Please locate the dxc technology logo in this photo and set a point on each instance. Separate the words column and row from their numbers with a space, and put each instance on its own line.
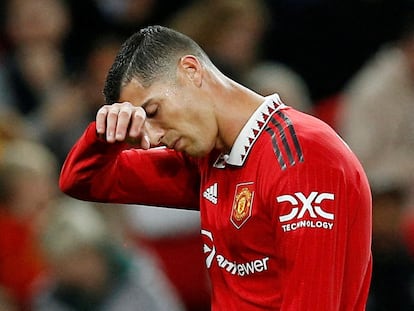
column 301, row 205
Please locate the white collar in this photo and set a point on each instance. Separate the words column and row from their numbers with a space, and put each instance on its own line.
column 251, row 130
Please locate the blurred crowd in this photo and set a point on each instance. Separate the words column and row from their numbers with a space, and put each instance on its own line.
column 351, row 63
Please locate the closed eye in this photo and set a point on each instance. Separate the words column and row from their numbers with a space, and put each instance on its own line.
column 151, row 111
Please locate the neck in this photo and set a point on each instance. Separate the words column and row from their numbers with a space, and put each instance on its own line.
column 234, row 105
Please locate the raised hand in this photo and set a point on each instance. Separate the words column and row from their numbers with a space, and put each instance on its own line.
column 121, row 122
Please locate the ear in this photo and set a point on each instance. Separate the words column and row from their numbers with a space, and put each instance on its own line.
column 191, row 69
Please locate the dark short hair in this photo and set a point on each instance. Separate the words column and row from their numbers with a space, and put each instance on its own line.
column 148, row 54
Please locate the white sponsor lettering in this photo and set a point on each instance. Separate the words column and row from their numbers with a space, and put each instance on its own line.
column 310, row 205
column 232, row 267
column 242, row 269
column 307, row 224
column 210, row 250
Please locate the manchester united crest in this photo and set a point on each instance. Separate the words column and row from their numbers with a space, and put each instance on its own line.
column 242, row 204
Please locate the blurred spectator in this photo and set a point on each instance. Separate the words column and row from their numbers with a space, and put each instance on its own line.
column 269, row 77
column 34, row 63
column 6, row 303
column 11, row 127
column 92, row 271
column 234, row 40
column 126, row 16
column 393, row 269
column 97, row 64
column 329, row 109
column 68, row 108
column 376, row 119
column 378, row 113
column 92, row 18
column 327, row 41
column 28, row 174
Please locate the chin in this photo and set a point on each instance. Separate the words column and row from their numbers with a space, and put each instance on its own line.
column 198, row 153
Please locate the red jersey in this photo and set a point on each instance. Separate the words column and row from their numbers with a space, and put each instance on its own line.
column 286, row 216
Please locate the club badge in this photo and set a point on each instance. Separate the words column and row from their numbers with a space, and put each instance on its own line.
column 242, row 204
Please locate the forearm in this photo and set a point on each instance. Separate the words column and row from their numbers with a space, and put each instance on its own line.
column 98, row 171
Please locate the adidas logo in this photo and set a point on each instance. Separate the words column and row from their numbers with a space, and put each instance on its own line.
column 211, row 193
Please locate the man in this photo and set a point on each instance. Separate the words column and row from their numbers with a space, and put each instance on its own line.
column 285, row 205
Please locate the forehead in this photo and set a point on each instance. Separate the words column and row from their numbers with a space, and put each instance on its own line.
column 134, row 92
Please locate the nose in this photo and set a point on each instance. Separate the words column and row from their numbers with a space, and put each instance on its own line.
column 154, row 132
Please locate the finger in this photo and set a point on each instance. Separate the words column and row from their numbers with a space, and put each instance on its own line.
column 111, row 122
column 101, row 120
column 154, row 136
column 145, row 142
column 124, row 119
column 137, row 122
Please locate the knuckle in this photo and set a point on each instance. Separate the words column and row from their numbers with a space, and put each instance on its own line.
column 139, row 113
column 103, row 110
column 124, row 112
column 113, row 111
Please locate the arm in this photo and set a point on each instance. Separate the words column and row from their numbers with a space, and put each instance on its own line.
column 322, row 215
column 98, row 171
column 107, row 171
column 327, row 255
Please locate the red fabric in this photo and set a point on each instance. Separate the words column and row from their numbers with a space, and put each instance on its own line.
column 407, row 229
column 329, row 109
column 21, row 262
